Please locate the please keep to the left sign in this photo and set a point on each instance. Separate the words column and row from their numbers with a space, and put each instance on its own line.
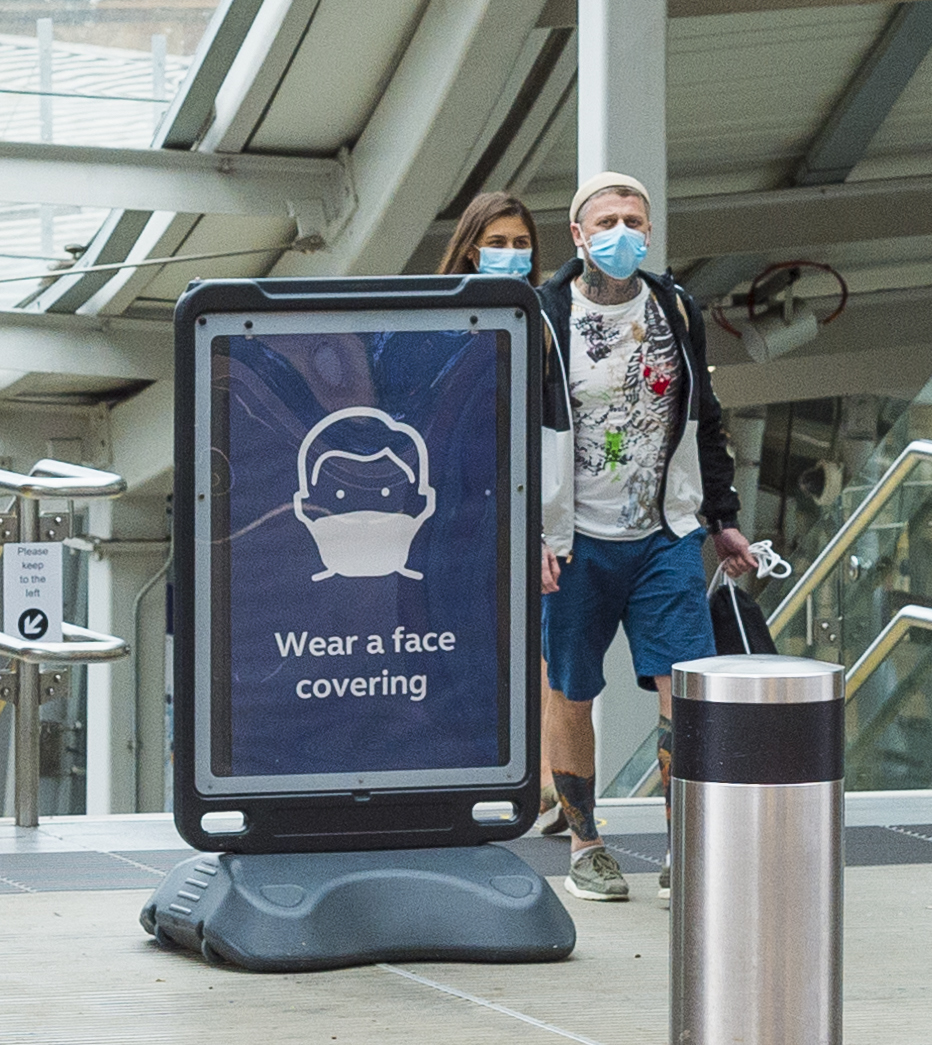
column 32, row 591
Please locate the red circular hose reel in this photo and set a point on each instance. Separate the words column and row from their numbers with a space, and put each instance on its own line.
column 717, row 313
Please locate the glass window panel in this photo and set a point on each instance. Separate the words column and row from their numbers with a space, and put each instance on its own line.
column 83, row 72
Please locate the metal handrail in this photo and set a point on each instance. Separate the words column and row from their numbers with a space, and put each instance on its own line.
column 906, row 618
column 65, row 481
column 60, row 479
column 82, row 647
column 859, row 521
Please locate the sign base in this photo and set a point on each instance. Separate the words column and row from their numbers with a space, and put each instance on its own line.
column 298, row 912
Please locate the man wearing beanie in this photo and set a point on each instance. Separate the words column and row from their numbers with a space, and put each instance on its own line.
column 633, row 453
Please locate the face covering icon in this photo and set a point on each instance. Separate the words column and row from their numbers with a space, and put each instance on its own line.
column 618, row 251
column 363, row 492
column 504, row 261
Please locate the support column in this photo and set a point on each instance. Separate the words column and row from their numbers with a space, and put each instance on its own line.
column 44, row 38
column 99, row 676
column 747, row 436
column 622, row 101
column 622, row 127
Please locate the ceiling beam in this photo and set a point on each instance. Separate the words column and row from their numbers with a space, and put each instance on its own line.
column 191, row 114
column 694, row 8
column 898, row 372
column 712, row 278
column 563, row 12
column 799, row 218
column 246, row 51
column 410, row 158
column 110, row 245
column 172, row 180
column 532, row 103
column 853, row 121
column 256, row 72
column 124, row 349
column 191, row 110
column 164, row 236
column 857, row 116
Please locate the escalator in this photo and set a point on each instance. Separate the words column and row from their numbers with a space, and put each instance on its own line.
column 861, row 595
column 863, row 599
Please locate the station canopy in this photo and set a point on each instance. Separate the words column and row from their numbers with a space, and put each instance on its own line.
column 144, row 143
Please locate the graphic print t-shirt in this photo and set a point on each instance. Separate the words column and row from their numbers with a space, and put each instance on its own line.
column 624, row 383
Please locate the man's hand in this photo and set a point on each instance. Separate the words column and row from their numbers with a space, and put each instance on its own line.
column 549, row 571
column 731, row 547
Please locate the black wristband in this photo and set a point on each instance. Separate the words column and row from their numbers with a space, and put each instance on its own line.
column 715, row 526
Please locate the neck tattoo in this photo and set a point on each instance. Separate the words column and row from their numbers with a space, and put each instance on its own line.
column 603, row 290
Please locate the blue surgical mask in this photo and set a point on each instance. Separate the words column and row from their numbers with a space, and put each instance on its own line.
column 618, row 251
column 504, row 261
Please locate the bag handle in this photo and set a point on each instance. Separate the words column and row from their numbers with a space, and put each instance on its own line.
column 769, row 563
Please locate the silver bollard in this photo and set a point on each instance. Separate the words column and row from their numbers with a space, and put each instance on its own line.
column 757, row 851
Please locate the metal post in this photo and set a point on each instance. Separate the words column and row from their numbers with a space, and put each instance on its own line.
column 58, row 479
column 44, row 42
column 159, row 68
column 757, row 851
column 27, row 703
column 622, row 57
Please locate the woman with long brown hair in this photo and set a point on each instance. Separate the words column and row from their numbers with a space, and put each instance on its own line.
column 496, row 235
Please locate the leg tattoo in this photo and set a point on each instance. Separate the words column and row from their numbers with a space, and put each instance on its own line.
column 664, row 750
column 577, row 794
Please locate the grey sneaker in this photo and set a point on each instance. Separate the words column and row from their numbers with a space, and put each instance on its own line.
column 596, row 876
column 663, row 893
column 552, row 820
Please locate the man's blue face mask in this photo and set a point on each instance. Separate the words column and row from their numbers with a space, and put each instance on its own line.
column 618, row 251
column 504, row 261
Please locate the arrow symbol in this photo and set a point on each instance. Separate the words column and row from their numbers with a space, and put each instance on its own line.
column 33, row 624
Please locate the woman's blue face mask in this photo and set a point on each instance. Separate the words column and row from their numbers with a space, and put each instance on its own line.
column 504, row 261
column 618, row 251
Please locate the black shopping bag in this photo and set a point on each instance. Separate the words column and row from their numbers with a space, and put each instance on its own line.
column 738, row 622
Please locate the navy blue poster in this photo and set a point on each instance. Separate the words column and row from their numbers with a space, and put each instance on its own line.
column 359, row 544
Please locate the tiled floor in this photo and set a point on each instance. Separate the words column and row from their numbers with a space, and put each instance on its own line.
column 78, row 969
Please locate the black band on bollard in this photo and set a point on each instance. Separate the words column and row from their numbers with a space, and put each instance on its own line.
column 758, row 743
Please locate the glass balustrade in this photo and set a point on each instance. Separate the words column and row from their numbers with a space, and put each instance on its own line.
column 888, row 721
column 639, row 777
column 886, row 567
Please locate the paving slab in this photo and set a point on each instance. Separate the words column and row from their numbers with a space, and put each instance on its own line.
column 79, row 969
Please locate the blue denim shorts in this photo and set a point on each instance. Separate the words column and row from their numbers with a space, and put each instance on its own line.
column 654, row 587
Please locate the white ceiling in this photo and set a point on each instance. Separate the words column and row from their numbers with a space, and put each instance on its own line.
column 421, row 101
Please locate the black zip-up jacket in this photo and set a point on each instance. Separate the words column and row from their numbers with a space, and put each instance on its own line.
column 699, row 471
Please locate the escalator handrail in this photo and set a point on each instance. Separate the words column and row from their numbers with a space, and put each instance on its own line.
column 904, row 619
column 859, row 521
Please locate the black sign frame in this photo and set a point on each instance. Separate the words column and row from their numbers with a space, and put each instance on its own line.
column 347, row 818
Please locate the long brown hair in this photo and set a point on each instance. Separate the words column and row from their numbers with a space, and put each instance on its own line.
column 481, row 212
